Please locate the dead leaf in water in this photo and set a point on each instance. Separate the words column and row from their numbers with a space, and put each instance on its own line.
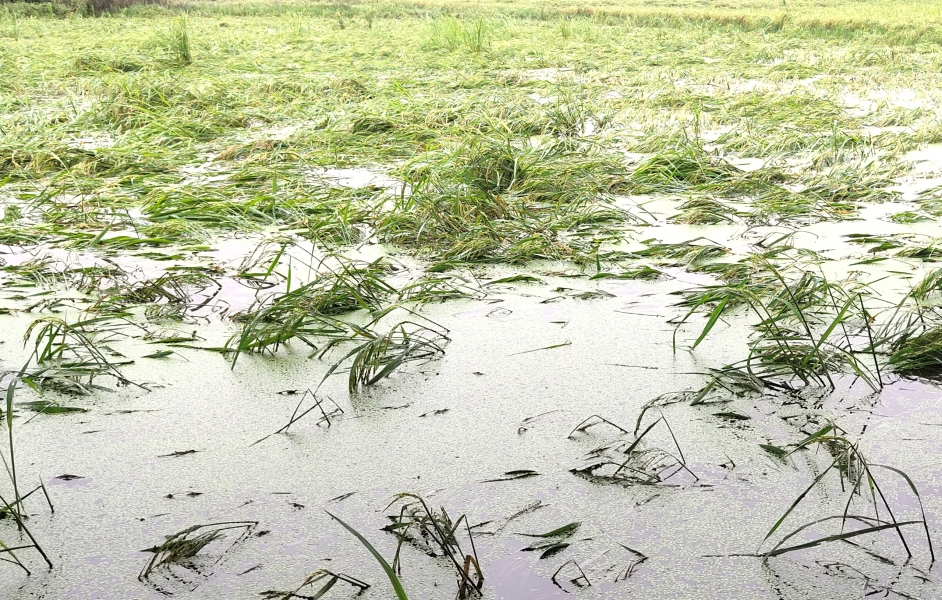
column 513, row 475
column 177, row 453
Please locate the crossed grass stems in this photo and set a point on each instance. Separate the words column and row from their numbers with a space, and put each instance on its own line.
column 434, row 533
column 812, row 333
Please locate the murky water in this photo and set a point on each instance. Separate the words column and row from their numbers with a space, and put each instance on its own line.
column 495, row 403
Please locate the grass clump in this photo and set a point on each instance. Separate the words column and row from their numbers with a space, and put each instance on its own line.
column 377, row 355
column 858, row 480
column 69, row 357
column 704, row 211
column 176, row 559
column 452, row 34
column 170, row 296
column 31, row 160
column 919, row 355
column 502, row 199
column 159, row 107
column 178, row 43
column 679, row 170
column 806, row 329
column 912, row 337
column 691, row 252
column 436, row 534
column 308, row 312
column 633, row 461
column 439, row 287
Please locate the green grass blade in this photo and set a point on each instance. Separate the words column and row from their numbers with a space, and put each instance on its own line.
column 799, row 499
column 714, row 317
column 912, row 486
column 393, row 579
column 838, row 537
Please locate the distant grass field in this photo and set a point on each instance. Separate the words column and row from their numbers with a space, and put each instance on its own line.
column 508, row 122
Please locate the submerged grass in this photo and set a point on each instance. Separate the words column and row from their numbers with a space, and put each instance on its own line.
column 69, row 357
column 806, row 330
column 436, row 534
column 501, row 198
column 857, row 477
column 181, row 548
column 506, row 133
column 309, row 311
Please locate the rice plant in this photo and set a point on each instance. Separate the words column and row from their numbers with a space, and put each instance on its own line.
column 859, row 482
column 679, row 170
column 704, row 211
column 692, row 252
column 919, row 354
column 440, row 287
column 910, row 337
column 310, row 310
column 16, row 508
column 629, row 462
column 69, row 357
column 172, row 295
column 806, row 329
column 502, row 199
column 309, row 581
column 179, row 43
column 176, row 558
column 376, row 355
column 452, row 34
column 435, row 533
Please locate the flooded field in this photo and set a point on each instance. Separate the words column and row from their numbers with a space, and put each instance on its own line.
column 396, row 300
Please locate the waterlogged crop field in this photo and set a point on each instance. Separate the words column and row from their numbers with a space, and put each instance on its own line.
column 497, row 300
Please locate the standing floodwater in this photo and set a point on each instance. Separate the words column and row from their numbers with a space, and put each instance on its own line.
column 508, row 301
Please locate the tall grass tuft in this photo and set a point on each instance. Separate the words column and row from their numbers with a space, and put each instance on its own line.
column 178, row 42
column 451, row 34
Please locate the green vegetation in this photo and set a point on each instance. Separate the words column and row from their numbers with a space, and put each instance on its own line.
column 140, row 142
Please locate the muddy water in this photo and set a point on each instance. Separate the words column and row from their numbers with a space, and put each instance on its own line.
column 525, row 365
column 441, row 430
